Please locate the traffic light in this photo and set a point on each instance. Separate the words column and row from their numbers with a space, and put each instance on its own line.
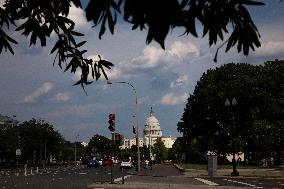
column 134, row 129
column 117, row 139
column 111, row 122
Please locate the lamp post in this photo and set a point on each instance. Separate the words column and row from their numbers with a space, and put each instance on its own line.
column 75, row 150
column 135, row 115
column 229, row 104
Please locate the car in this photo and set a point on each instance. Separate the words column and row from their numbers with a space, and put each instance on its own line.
column 107, row 162
column 93, row 163
column 126, row 163
column 100, row 162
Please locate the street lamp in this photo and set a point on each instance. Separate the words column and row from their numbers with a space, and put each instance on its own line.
column 228, row 104
column 135, row 115
column 75, row 150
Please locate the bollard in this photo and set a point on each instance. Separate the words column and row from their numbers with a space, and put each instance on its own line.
column 31, row 170
column 25, row 167
column 36, row 170
column 212, row 165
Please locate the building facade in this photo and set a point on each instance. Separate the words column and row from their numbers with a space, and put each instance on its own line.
column 5, row 120
column 152, row 130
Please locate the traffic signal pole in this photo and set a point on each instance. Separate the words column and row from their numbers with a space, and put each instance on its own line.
column 136, row 117
column 111, row 168
column 111, row 127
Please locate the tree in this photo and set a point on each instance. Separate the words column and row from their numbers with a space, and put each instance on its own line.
column 38, row 140
column 160, row 150
column 208, row 125
column 100, row 146
column 8, row 143
column 176, row 151
column 38, row 19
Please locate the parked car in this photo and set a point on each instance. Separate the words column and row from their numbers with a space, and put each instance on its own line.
column 86, row 159
column 93, row 163
column 126, row 163
column 100, row 162
column 107, row 162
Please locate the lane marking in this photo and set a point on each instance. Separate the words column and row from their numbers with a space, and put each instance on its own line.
column 243, row 183
column 120, row 178
column 208, row 182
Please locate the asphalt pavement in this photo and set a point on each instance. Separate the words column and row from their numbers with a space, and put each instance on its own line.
column 161, row 176
column 169, row 176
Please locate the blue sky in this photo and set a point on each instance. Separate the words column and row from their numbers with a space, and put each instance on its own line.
column 31, row 87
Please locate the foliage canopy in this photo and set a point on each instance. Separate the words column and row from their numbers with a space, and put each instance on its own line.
column 256, row 122
column 37, row 20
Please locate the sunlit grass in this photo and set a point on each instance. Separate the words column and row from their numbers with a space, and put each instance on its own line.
column 227, row 166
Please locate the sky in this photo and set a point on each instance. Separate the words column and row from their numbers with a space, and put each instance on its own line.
column 31, row 87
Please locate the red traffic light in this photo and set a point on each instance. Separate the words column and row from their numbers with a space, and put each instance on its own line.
column 118, row 139
column 111, row 116
column 111, row 122
column 134, row 129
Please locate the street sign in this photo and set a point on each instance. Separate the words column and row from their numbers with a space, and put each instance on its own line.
column 18, row 152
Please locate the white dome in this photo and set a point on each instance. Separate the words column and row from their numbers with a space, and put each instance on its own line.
column 152, row 122
column 152, row 130
column 152, row 125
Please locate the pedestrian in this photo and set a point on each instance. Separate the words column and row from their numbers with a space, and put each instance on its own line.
column 146, row 163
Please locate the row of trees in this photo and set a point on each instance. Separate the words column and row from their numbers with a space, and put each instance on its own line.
column 255, row 124
column 38, row 143
column 101, row 146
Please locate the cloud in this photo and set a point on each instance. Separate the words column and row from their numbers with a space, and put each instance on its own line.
column 181, row 50
column 62, row 97
column 70, row 110
column 154, row 56
column 271, row 48
column 171, row 99
column 114, row 73
column 181, row 80
column 150, row 57
column 45, row 88
column 78, row 15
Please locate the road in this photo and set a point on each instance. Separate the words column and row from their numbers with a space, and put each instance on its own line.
column 161, row 176
column 57, row 178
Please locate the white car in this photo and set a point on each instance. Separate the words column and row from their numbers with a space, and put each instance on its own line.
column 127, row 163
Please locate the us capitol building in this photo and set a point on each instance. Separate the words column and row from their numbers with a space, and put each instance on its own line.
column 152, row 130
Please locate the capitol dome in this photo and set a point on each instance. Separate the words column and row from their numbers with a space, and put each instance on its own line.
column 152, row 122
column 152, row 126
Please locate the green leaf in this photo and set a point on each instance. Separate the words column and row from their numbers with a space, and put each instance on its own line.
column 33, row 38
column 249, row 2
column 110, row 23
column 56, row 46
column 77, row 83
column 80, row 44
column 76, row 33
column 106, row 63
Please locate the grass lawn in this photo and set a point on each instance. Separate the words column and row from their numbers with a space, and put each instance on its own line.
column 204, row 166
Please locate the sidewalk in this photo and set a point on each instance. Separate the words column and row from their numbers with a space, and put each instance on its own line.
column 265, row 172
column 172, row 178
